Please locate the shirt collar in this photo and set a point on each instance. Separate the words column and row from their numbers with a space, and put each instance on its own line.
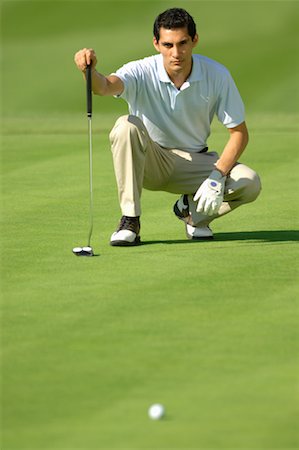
column 196, row 73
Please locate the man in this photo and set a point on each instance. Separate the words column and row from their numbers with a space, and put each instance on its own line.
column 162, row 144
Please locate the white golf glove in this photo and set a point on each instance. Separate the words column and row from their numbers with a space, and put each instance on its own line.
column 210, row 194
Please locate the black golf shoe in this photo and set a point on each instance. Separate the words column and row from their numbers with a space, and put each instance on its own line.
column 127, row 233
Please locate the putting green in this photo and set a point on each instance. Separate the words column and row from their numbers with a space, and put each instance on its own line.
column 207, row 329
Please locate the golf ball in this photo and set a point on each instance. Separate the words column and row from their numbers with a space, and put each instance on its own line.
column 156, row 411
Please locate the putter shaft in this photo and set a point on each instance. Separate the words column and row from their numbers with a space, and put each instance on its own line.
column 90, row 183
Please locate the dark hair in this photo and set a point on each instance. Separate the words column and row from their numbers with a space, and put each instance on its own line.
column 174, row 18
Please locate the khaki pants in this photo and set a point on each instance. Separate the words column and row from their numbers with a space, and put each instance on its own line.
column 141, row 163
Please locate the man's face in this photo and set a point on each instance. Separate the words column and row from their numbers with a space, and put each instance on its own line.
column 176, row 47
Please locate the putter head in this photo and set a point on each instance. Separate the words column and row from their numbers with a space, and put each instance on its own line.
column 83, row 251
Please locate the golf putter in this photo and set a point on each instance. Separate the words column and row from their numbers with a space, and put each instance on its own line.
column 87, row 250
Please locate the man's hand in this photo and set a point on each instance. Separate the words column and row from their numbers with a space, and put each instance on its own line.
column 101, row 85
column 210, row 194
column 85, row 57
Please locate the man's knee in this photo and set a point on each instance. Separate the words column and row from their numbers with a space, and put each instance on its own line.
column 125, row 126
column 254, row 188
column 119, row 127
column 247, row 182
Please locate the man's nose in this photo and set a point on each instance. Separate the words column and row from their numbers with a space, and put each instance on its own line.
column 175, row 51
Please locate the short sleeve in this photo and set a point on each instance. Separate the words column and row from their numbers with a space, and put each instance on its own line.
column 230, row 108
column 129, row 76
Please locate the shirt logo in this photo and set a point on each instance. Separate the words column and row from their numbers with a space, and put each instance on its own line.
column 206, row 99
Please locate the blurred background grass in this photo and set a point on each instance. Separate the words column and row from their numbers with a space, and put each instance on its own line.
column 256, row 40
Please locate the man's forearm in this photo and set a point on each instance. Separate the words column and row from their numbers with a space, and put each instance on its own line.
column 102, row 85
column 233, row 149
column 99, row 83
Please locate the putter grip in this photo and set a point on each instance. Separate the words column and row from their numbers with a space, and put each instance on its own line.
column 88, row 90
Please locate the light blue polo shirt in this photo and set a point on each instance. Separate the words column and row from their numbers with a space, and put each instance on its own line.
column 181, row 118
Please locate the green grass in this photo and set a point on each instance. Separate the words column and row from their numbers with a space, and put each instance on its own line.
column 207, row 329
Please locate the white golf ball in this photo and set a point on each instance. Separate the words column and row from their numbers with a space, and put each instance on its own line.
column 156, row 411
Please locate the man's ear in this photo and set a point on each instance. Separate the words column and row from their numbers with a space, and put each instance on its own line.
column 195, row 40
column 156, row 44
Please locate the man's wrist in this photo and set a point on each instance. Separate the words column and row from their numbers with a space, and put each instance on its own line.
column 222, row 174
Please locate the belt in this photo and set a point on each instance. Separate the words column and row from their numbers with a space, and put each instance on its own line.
column 204, row 150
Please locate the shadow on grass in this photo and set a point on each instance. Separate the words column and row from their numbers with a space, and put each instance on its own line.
column 263, row 236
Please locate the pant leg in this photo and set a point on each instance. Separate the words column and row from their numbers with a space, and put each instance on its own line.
column 242, row 186
column 191, row 169
column 138, row 162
